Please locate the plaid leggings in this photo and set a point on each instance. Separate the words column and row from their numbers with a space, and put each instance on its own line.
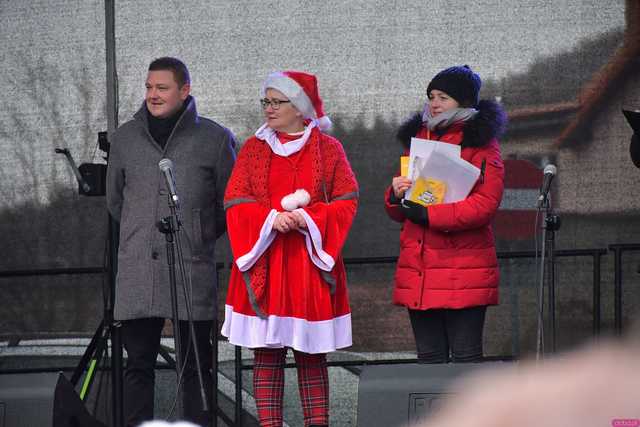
column 268, row 386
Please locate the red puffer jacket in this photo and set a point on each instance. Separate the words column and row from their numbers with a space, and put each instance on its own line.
column 452, row 262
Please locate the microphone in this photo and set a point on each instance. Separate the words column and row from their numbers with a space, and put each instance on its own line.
column 549, row 173
column 166, row 167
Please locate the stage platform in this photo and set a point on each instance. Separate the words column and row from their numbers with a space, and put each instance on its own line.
column 52, row 355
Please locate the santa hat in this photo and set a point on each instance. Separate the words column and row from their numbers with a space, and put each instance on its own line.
column 302, row 90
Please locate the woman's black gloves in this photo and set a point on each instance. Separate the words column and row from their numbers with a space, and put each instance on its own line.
column 393, row 200
column 415, row 212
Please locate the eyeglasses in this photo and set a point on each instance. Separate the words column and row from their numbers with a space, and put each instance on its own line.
column 274, row 103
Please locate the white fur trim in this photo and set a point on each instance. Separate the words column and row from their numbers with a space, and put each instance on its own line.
column 292, row 90
column 313, row 241
column 276, row 332
column 267, row 234
column 312, row 238
column 324, row 123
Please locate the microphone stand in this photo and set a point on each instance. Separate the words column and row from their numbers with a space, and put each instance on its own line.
column 550, row 224
column 170, row 227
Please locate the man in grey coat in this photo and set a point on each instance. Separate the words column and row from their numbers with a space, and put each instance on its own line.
column 166, row 126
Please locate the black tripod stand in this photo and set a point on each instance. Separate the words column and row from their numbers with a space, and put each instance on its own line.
column 108, row 330
column 166, row 226
column 91, row 178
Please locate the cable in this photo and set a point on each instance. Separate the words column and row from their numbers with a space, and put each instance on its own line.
column 187, row 289
column 536, row 250
column 540, row 281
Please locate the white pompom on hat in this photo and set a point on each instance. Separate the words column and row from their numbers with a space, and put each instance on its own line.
column 302, row 90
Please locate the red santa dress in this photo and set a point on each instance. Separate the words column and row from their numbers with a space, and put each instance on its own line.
column 289, row 289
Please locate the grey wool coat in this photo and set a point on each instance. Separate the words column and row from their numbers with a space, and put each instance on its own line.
column 203, row 154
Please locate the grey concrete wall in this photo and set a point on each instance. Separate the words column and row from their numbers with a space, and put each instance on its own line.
column 372, row 57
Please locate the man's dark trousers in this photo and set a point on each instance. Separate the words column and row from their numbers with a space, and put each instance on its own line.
column 141, row 338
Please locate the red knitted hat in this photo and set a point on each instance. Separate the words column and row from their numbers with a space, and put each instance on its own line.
column 302, row 90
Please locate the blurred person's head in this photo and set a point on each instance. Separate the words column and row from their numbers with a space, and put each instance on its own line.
column 158, row 423
column 593, row 387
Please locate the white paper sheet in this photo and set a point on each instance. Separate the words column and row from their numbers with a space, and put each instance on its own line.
column 441, row 162
column 424, row 147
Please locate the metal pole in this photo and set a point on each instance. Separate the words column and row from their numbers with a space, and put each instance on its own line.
column 116, row 374
column 552, row 286
column 115, row 330
column 213, row 403
column 617, row 293
column 112, row 124
column 177, row 339
column 596, row 294
column 541, row 277
column 112, row 83
column 238, row 405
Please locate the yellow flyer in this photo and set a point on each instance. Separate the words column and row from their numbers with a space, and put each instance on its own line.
column 428, row 191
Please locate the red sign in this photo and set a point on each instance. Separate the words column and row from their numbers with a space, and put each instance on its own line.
column 515, row 219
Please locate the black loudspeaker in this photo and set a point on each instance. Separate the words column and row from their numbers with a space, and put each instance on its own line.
column 398, row 395
column 41, row 400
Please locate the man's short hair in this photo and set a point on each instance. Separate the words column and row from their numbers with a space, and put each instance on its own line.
column 180, row 72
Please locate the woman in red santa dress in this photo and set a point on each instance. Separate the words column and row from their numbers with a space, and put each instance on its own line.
column 290, row 203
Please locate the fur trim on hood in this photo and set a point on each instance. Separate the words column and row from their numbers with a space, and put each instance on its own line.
column 489, row 123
